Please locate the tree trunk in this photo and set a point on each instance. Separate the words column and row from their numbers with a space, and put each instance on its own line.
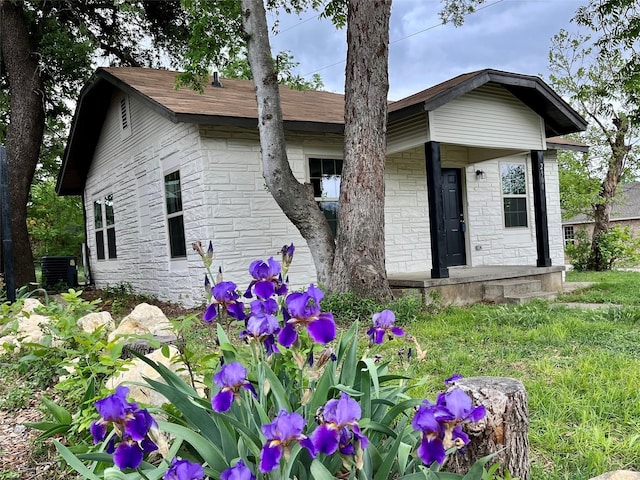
column 359, row 264
column 505, row 427
column 25, row 130
column 295, row 199
column 598, row 261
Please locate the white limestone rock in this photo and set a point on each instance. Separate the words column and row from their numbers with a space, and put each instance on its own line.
column 619, row 475
column 137, row 370
column 91, row 322
column 143, row 319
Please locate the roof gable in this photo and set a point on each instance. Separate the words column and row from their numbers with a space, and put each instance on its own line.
column 559, row 117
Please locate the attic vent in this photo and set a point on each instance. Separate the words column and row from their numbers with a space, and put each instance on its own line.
column 125, row 118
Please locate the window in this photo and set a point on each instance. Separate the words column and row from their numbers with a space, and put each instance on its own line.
column 104, row 222
column 514, row 194
column 175, row 221
column 568, row 235
column 324, row 174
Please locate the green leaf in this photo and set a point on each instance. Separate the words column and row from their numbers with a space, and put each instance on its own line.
column 166, row 353
column 373, row 373
column 74, row 462
column 278, row 391
column 59, row 413
column 477, row 469
column 320, row 472
column 209, row 452
column 385, row 470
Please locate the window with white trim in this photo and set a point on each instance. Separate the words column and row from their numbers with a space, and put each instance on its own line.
column 175, row 218
column 569, row 235
column 324, row 175
column 105, row 226
column 514, row 194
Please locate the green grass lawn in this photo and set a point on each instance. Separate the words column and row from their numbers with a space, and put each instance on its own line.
column 617, row 287
column 581, row 370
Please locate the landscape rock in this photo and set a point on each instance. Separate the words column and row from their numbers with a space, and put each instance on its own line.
column 91, row 322
column 138, row 369
column 30, row 327
column 143, row 319
column 619, row 475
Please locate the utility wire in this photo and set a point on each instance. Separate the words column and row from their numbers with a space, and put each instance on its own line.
column 402, row 38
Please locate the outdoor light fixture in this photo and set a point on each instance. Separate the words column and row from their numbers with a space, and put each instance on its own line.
column 480, row 175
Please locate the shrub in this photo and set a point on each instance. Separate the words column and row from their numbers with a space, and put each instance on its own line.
column 618, row 247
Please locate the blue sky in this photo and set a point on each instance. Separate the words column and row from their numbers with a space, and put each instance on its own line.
column 511, row 35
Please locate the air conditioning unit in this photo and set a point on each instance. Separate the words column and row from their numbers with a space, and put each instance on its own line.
column 59, row 270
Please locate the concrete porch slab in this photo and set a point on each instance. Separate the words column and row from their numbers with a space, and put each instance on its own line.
column 465, row 284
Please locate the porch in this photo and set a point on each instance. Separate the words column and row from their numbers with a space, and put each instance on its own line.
column 492, row 283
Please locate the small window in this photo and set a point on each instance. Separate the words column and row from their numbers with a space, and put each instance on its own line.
column 325, row 174
column 125, row 118
column 569, row 235
column 175, row 218
column 104, row 222
column 514, row 194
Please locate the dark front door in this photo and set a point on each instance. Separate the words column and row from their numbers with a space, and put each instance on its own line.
column 453, row 217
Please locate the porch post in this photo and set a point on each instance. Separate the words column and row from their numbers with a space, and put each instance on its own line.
column 540, row 207
column 436, row 211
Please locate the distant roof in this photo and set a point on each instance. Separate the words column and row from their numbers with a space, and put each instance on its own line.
column 310, row 110
column 626, row 205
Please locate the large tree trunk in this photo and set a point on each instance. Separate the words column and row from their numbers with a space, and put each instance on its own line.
column 602, row 211
column 295, row 199
column 25, row 131
column 359, row 264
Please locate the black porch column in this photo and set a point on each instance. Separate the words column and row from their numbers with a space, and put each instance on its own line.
column 540, row 207
column 436, row 211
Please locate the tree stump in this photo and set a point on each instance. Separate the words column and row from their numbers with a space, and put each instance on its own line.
column 504, row 428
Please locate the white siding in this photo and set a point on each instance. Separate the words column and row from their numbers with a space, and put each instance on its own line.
column 132, row 169
column 488, row 117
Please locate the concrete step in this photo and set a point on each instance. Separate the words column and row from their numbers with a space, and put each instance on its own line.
column 496, row 291
column 525, row 297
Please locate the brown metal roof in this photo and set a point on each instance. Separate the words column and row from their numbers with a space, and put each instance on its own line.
column 235, row 99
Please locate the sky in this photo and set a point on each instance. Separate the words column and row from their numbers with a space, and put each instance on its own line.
column 511, row 35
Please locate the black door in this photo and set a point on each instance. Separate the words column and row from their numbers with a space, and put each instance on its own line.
column 453, row 217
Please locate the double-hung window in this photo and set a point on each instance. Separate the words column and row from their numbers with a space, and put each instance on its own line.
column 175, row 218
column 514, row 194
column 324, row 174
column 105, row 225
column 569, row 235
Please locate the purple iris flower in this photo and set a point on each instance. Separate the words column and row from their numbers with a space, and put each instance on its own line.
column 238, row 472
column 264, row 273
column 287, row 255
column 231, row 378
column 285, row 429
column 431, row 447
column 225, row 296
column 339, row 428
column 132, row 424
column 441, row 423
column 383, row 324
column 304, row 309
column 452, row 378
column 455, row 407
column 184, row 470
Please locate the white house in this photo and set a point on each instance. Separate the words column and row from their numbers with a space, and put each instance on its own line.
column 471, row 178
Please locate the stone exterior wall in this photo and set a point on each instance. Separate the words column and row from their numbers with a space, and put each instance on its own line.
column 225, row 200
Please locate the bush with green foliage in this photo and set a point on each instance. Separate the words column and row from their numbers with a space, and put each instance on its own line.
column 618, row 247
